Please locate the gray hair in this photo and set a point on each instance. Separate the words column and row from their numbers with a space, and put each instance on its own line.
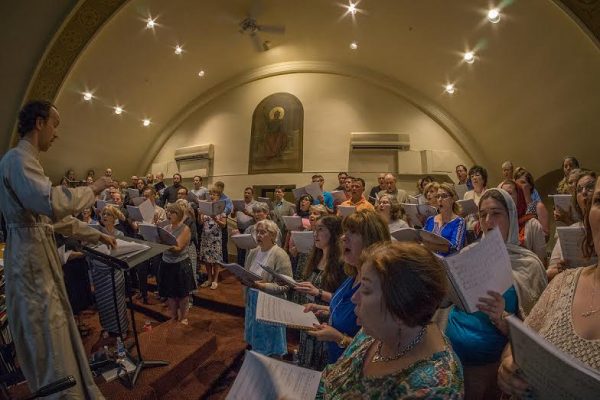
column 507, row 164
column 264, row 207
column 270, row 226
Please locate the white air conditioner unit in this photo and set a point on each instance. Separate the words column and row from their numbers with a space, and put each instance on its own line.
column 379, row 141
column 198, row 152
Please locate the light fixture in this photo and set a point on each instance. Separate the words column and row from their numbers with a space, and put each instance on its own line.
column 118, row 110
column 146, row 122
column 469, row 57
column 178, row 49
column 353, row 46
column 88, row 96
column 352, row 9
column 493, row 15
column 150, row 23
column 201, row 74
column 449, row 88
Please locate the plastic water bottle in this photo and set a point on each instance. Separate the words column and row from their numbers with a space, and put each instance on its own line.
column 120, row 348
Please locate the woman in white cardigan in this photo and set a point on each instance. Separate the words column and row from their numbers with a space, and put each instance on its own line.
column 266, row 339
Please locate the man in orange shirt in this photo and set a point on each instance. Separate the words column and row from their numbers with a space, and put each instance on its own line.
column 357, row 199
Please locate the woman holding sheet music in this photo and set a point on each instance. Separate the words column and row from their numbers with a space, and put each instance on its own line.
column 176, row 275
column 480, row 337
column 211, row 246
column 361, row 229
column 322, row 275
column 264, row 338
column 447, row 223
column 584, row 187
column 568, row 312
column 391, row 211
column 398, row 353
column 102, row 280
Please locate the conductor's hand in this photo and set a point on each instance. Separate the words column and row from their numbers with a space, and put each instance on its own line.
column 109, row 241
column 101, row 184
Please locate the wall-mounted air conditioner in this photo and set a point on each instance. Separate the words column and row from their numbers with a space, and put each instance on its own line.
column 379, row 141
column 198, row 152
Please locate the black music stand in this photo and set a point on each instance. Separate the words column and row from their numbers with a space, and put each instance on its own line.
column 126, row 264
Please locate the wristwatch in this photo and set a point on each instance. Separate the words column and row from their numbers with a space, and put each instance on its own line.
column 320, row 295
column 344, row 341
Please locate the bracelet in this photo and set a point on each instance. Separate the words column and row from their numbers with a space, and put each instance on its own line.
column 320, row 295
column 344, row 341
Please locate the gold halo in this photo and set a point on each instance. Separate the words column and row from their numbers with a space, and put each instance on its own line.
column 273, row 110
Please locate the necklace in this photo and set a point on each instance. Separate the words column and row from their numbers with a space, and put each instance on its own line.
column 401, row 351
column 591, row 311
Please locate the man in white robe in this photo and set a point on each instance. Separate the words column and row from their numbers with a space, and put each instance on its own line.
column 46, row 338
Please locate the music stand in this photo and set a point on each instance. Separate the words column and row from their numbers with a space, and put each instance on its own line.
column 126, row 264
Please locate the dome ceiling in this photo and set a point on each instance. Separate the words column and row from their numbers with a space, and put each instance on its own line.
column 534, row 80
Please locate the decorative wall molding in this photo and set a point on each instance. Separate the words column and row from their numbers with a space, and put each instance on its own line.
column 414, row 97
column 586, row 13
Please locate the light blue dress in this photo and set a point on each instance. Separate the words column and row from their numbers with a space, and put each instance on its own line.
column 264, row 338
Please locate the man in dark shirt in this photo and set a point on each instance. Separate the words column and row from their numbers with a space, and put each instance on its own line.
column 341, row 180
column 170, row 193
column 376, row 189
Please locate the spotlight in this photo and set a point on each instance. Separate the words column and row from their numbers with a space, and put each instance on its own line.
column 178, row 49
column 146, row 122
column 493, row 15
column 201, row 74
column 150, row 24
column 353, row 46
column 449, row 88
column 118, row 110
column 87, row 96
column 469, row 57
column 352, row 9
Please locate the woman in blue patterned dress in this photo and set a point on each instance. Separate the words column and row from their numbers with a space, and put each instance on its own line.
column 211, row 247
column 447, row 223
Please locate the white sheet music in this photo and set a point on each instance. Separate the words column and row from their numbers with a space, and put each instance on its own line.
column 124, row 249
column 244, row 241
column 346, row 210
column 481, row 267
column 149, row 232
column 461, row 189
column 241, row 273
column 144, row 212
column 412, row 214
column 133, row 193
column 339, row 196
column 136, row 201
column 264, row 378
column 239, row 205
column 64, row 254
column 314, row 190
column 287, row 279
column 211, row 208
column 571, row 238
column 303, row 240
column 468, row 207
column 299, row 192
column 406, row 235
column 292, row 223
column 551, row 373
column 274, row 310
column 562, row 201
column 100, row 204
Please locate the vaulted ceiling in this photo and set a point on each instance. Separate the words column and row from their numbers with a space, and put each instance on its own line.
column 531, row 95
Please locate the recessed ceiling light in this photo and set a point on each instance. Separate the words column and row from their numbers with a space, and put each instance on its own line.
column 449, row 88
column 146, row 122
column 201, row 74
column 118, row 110
column 150, row 23
column 178, row 49
column 493, row 15
column 469, row 57
column 353, row 45
column 87, row 96
column 352, row 9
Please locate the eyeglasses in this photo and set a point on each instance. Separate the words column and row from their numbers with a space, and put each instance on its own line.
column 442, row 196
column 589, row 188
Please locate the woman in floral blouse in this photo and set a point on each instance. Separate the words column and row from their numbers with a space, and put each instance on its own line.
column 398, row 353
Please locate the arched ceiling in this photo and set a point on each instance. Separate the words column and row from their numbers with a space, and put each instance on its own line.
column 531, row 94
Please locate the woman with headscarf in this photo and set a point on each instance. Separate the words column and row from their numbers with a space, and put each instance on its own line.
column 479, row 338
column 531, row 232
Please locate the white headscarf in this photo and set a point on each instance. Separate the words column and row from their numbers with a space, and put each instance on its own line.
column 529, row 273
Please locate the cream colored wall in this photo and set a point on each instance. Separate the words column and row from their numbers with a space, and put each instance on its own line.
column 334, row 106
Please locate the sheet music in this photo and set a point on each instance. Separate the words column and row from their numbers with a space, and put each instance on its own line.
column 211, row 208
column 64, row 254
column 100, row 204
column 239, row 205
column 244, row 241
column 550, row 373
column 242, row 273
column 275, row 310
column 339, row 196
column 314, row 189
column 136, row 201
column 287, row 279
column 412, row 213
column 133, row 193
column 123, row 250
column 468, row 206
column 166, row 237
column 427, row 210
column 406, row 235
column 144, row 212
column 149, row 232
column 562, row 201
column 413, row 200
column 461, row 189
column 264, row 378
column 571, row 238
column 303, row 240
column 292, row 223
column 299, row 192
column 481, row 267
column 346, row 210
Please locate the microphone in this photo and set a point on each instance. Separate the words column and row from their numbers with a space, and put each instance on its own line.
column 54, row 387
